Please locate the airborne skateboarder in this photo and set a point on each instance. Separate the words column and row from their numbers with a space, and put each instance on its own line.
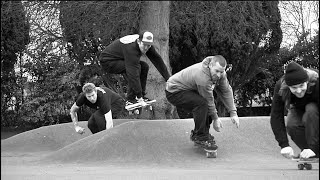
column 123, row 57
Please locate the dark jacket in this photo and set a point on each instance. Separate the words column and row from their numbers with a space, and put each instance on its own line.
column 283, row 98
column 126, row 49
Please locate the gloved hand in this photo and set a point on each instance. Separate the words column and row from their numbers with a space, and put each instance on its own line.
column 140, row 100
column 217, row 125
column 235, row 120
column 79, row 129
column 287, row 152
column 306, row 153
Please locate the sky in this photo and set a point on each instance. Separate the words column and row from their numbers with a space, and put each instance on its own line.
column 295, row 15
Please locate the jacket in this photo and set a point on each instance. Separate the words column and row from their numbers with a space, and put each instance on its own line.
column 280, row 103
column 197, row 77
column 126, row 49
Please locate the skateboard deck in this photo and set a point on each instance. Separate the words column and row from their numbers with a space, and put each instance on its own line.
column 210, row 153
column 134, row 108
column 305, row 163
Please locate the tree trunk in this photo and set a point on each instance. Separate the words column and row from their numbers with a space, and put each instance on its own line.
column 155, row 18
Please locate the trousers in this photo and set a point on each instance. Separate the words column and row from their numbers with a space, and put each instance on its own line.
column 118, row 67
column 303, row 127
column 97, row 121
column 192, row 101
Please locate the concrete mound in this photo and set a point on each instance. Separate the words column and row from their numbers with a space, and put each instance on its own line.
column 47, row 138
column 166, row 142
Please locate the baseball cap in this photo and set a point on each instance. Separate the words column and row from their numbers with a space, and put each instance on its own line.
column 147, row 38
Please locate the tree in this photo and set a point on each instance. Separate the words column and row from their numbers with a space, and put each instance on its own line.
column 155, row 18
column 14, row 38
column 247, row 34
column 299, row 19
column 89, row 33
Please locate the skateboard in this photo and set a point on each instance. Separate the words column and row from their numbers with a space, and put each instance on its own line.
column 210, row 153
column 305, row 163
column 134, row 108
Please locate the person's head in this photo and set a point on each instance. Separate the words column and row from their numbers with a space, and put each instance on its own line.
column 217, row 66
column 89, row 89
column 145, row 41
column 296, row 78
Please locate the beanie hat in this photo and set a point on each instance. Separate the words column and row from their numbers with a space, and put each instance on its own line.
column 295, row 74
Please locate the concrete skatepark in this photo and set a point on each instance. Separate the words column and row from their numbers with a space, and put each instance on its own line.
column 148, row 149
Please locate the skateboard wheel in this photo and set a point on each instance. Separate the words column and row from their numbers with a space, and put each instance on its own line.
column 300, row 166
column 211, row 154
column 308, row 166
column 130, row 112
column 150, row 108
column 136, row 111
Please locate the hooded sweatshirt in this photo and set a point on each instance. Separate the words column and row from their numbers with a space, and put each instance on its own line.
column 127, row 49
column 198, row 77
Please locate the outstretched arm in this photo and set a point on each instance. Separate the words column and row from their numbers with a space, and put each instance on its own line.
column 109, row 121
column 157, row 61
column 74, row 117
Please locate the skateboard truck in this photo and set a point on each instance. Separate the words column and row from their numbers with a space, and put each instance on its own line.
column 305, row 163
column 210, row 153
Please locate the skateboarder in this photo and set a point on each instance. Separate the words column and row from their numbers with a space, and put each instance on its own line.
column 123, row 57
column 107, row 103
column 192, row 89
column 297, row 91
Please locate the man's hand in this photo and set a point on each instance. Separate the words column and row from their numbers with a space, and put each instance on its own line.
column 79, row 129
column 306, row 153
column 235, row 120
column 217, row 125
column 287, row 152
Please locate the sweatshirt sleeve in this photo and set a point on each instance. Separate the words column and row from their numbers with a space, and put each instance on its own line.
column 225, row 92
column 132, row 65
column 277, row 118
column 157, row 61
column 207, row 93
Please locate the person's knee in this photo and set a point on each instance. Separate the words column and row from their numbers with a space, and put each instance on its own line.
column 91, row 126
column 201, row 103
column 311, row 114
column 312, row 108
column 292, row 127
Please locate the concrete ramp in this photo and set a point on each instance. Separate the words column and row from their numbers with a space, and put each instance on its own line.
column 149, row 149
column 47, row 138
column 166, row 142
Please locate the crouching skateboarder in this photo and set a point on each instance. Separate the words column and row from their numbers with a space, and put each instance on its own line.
column 107, row 103
column 192, row 89
column 298, row 91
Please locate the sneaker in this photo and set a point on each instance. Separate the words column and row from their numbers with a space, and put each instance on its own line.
column 146, row 99
column 193, row 138
column 206, row 144
column 191, row 135
column 211, row 138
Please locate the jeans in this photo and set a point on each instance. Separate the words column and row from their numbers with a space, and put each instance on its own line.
column 97, row 121
column 192, row 101
column 118, row 67
column 303, row 127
